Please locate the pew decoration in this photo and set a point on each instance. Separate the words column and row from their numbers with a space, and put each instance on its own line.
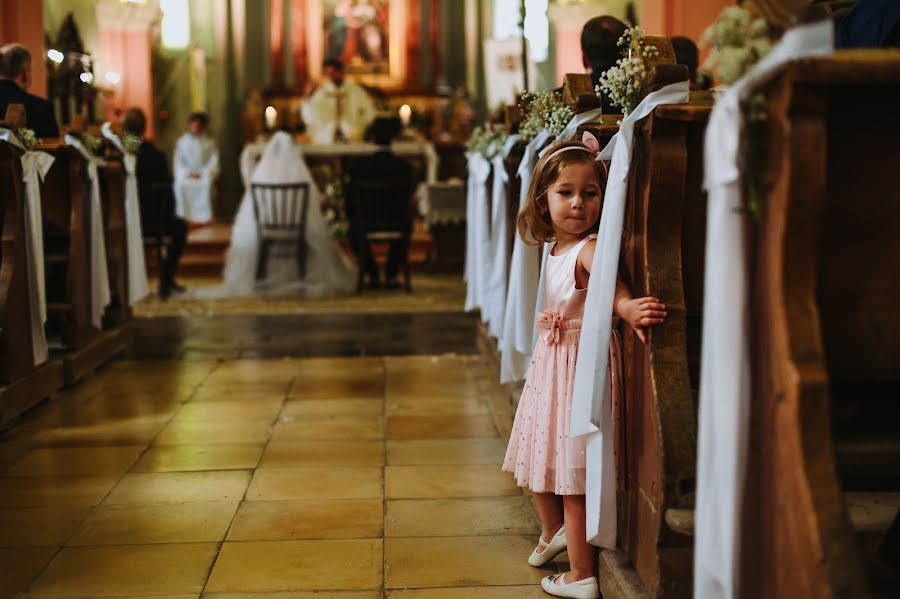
column 543, row 111
column 94, row 144
column 624, row 83
column 100, row 295
column 725, row 393
column 129, row 144
column 27, row 138
column 487, row 140
column 34, row 167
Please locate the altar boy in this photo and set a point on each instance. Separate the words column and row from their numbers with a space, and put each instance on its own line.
column 196, row 167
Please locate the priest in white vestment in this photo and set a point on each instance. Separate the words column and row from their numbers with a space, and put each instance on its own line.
column 196, row 167
column 339, row 110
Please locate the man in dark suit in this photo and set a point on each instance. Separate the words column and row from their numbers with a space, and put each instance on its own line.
column 153, row 167
column 383, row 165
column 15, row 79
column 600, row 51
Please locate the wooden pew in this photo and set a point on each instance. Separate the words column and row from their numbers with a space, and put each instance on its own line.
column 22, row 383
column 65, row 199
column 824, row 455
column 112, row 194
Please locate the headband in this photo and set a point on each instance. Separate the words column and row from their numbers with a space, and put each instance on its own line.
column 591, row 146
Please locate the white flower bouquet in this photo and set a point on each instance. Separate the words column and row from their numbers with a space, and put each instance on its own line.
column 27, row 138
column 543, row 111
column 487, row 140
column 93, row 143
column 624, row 83
column 131, row 143
column 738, row 40
column 333, row 205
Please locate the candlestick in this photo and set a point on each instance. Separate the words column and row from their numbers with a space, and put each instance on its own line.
column 405, row 114
column 271, row 117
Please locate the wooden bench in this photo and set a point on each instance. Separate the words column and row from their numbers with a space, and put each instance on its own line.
column 821, row 503
column 112, row 195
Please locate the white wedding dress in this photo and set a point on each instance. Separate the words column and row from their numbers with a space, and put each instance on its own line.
column 328, row 270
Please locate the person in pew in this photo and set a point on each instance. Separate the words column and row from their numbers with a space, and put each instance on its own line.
column 563, row 206
column 153, row 167
column 380, row 166
column 600, row 50
column 687, row 53
column 196, row 166
column 15, row 79
column 869, row 24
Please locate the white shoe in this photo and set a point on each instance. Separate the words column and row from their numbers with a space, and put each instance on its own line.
column 586, row 588
column 556, row 546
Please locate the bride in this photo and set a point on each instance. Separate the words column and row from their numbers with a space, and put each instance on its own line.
column 328, row 269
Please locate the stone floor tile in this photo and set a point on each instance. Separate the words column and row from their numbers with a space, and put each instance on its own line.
column 55, row 492
column 314, row 519
column 446, row 451
column 423, row 482
column 460, row 517
column 22, row 527
column 211, row 432
column 293, row 454
column 440, row 427
column 316, row 483
column 186, row 458
column 179, row 487
column 77, row 461
column 21, row 565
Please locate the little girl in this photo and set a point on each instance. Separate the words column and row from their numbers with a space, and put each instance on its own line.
column 563, row 206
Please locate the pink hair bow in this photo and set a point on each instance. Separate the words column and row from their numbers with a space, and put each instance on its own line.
column 590, row 142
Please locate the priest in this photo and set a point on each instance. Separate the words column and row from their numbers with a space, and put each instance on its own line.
column 196, row 167
column 339, row 110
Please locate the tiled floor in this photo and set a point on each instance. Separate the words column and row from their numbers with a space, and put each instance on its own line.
column 353, row 478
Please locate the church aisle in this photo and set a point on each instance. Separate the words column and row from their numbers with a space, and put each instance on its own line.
column 354, row 478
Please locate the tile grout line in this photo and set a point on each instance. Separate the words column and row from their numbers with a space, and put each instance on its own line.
column 384, row 448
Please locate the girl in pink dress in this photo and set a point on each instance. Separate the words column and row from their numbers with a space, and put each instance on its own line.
column 563, row 206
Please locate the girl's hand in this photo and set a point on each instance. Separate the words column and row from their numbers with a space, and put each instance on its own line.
column 641, row 313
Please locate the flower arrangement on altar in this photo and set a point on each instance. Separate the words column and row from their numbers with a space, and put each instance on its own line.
column 543, row 111
column 333, row 207
column 738, row 40
column 624, row 83
column 487, row 140
column 27, row 138
column 131, row 143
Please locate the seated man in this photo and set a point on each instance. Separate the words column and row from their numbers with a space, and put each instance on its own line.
column 600, row 50
column 15, row 79
column 196, row 166
column 383, row 165
column 153, row 167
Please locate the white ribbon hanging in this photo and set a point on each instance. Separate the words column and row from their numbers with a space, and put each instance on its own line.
column 591, row 411
column 495, row 297
column 100, row 294
column 524, row 276
column 571, row 129
column 138, row 285
column 34, row 168
column 725, row 358
column 478, row 241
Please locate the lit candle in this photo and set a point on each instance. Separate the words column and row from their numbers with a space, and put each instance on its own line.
column 271, row 117
column 405, row 114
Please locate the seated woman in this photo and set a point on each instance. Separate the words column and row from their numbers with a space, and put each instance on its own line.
column 328, row 270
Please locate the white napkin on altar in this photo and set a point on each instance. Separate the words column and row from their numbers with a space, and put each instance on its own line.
column 34, row 168
column 591, row 411
column 725, row 361
column 517, row 340
column 495, row 296
column 100, row 294
column 478, row 242
column 138, row 286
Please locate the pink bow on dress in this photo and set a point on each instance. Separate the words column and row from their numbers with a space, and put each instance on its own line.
column 548, row 324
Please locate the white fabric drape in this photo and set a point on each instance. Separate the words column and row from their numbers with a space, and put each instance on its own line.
column 34, row 168
column 138, row 285
column 591, row 410
column 571, row 128
column 524, row 276
column 100, row 293
column 495, row 296
column 725, row 361
column 328, row 272
column 478, row 241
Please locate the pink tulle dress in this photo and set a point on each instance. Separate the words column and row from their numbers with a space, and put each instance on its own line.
column 541, row 454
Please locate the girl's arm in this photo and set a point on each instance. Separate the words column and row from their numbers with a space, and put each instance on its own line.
column 639, row 313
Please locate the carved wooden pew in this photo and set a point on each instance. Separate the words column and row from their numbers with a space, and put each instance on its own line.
column 824, row 456
column 112, row 194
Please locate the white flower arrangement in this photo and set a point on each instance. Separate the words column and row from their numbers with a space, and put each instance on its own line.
column 333, row 207
column 27, row 138
column 624, row 83
column 93, row 143
column 487, row 140
column 131, row 143
column 543, row 111
column 738, row 40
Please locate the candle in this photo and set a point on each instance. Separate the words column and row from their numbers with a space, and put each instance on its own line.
column 271, row 117
column 405, row 114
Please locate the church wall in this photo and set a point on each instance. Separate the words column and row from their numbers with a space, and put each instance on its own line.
column 23, row 23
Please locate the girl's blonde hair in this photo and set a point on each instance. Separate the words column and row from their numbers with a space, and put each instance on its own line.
column 535, row 225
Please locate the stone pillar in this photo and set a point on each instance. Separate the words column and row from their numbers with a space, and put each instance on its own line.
column 23, row 22
column 126, row 49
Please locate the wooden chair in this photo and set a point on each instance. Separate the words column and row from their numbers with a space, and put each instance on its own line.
column 381, row 212
column 281, row 215
column 821, row 501
column 157, row 208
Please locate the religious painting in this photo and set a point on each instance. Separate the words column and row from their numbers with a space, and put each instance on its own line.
column 368, row 36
